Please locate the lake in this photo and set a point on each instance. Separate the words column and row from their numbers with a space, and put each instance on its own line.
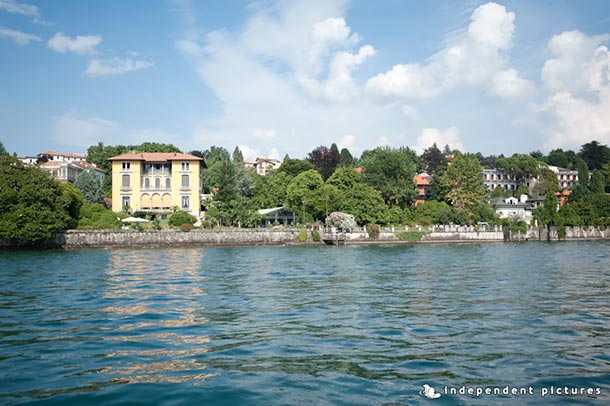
column 481, row 324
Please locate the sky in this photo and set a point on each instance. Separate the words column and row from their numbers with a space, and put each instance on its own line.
column 284, row 77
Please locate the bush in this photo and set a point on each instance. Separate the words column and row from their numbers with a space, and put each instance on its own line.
column 186, row 227
column 315, row 235
column 181, row 217
column 373, row 231
column 302, row 236
column 96, row 216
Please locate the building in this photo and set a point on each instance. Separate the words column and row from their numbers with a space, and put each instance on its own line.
column 277, row 215
column 422, row 181
column 511, row 208
column 157, row 181
column 52, row 156
column 495, row 178
column 66, row 167
column 567, row 178
column 28, row 160
column 262, row 165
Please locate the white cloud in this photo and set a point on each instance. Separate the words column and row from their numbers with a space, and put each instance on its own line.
column 114, row 66
column 12, row 6
column 475, row 57
column 508, row 85
column 264, row 134
column 579, row 76
column 20, row 38
column 73, row 129
column 430, row 136
column 250, row 154
column 81, row 44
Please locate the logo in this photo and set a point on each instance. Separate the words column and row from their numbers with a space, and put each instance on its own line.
column 429, row 392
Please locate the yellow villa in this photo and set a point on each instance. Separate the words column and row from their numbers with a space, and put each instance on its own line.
column 157, row 181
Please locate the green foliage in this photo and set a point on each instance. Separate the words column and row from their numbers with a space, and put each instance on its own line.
column 464, row 181
column 434, row 212
column 238, row 157
column 300, row 190
column 34, row 207
column 271, row 190
column 397, row 216
column 595, row 154
column 598, row 181
column 434, row 160
column 521, row 165
column 96, row 216
column 315, row 235
column 391, row 171
column 373, row 230
column 294, row 167
column 216, row 154
column 499, row 192
column 181, row 217
column 484, row 212
column 365, row 203
column 561, row 158
column 583, row 171
column 3, row 151
column 344, row 178
column 410, row 235
column 302, row 236
column 346, row 158
column 547, row 183
column 90, row 186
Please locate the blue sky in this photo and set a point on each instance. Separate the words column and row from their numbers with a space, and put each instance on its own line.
column 283, row 77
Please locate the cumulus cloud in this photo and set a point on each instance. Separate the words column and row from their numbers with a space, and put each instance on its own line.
column 12, row 6
column 476, row 57
column 81, row 44
column 579, row 76
column 264, row 134
column 430, row 136
column 114, row 66
column 20, row 38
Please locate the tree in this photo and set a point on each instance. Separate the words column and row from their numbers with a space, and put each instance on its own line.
column 538, row 155
column 391, row 171
column 547, row 182
column 181, row 217
column 238, row 157
column 3, row 151
column 464, row 180
column 520, row 165
column 346, row 158
column 595, row 154
column 489, row 162
column 216, row 154
column 271, row 190
column 294, row 167
column 301, row 189
column 433, row 159
column 558, row 157
column 344, row 178
column 598, row 181
column 325, row 160
column 90, row 186
column 546, row 214
column 365, row 203
column 33, row 206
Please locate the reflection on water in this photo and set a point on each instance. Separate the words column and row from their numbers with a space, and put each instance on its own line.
column 304, row 325
column 156, row 293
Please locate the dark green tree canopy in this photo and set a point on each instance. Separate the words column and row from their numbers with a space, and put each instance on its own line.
column 433, row 159
column 325, row 159
column 391, row 171
column 595, row 154
column 293, row 167
column 33, row 206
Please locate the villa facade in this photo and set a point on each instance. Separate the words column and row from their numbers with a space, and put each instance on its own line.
column 262, row 165
column 157, row 181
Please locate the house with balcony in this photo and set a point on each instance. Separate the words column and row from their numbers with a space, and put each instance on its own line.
column 65, row 167
column 422, row 181
column 157, row 181
column 262, row 165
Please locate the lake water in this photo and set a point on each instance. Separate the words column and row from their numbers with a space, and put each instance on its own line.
column 354, row 325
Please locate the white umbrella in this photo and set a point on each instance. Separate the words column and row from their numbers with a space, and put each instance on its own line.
column 134, row 220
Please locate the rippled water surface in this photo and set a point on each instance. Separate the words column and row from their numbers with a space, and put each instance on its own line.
column 307, row 325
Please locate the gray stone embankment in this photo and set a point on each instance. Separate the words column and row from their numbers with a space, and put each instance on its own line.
column 129, row 238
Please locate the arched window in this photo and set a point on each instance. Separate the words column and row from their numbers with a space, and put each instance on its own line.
column 168, row 183
column 146, row 183
column 157, row 183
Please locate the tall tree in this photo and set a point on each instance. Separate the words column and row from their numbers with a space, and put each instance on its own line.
column 547, row 213
column 90, row 186
column 391, row 171
column 346, row 158
column 464, row 180
column 2, row 150
column 237, row 155
column 325, row 160
column 433, row 159
column 595, row 154
column 216, row 154
column 597, row 183
column 293, row 167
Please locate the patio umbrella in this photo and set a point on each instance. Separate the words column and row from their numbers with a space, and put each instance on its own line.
column 134, row 220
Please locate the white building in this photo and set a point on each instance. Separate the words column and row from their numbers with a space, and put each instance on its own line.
column 262, row 165
column 511, row 208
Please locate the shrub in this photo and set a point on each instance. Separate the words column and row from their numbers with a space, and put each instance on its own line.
column 186, row 227
column 181, row 217
column 373, row 231
column 315, row 235
column 302, row 236
column 410, row 235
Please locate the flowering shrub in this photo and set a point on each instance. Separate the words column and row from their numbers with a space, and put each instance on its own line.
column 341, row 221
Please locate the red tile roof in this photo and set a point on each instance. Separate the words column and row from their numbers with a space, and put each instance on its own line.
column 155, row 157
column 62, row 154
